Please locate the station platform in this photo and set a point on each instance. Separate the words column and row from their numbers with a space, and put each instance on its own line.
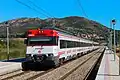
column 109, row 68
column 7, row 67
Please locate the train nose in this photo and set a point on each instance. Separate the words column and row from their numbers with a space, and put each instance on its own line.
column 39, row 57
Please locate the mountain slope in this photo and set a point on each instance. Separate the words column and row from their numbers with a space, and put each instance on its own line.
column 80, row 26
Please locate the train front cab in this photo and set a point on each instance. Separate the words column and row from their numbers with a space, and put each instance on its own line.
column 42, row 51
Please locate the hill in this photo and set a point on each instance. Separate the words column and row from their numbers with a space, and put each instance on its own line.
column 79, row 26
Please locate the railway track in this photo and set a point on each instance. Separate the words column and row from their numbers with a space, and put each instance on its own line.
column 64, row 72
column 82, row 71
column 70, row 72
column 13, row 74
column 24, row 75
column 31, row 75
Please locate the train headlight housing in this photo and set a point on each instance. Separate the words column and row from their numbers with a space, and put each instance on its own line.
column 50, row 54
column 28, row 56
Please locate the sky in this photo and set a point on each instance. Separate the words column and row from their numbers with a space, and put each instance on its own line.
column 102, row 11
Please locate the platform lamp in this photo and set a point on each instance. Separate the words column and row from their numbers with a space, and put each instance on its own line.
column 110, row 40
column 7, row 26
column 113, row 23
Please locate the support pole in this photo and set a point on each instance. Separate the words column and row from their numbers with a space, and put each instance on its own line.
column 119, row 62
column 7, row 43
column 114, row 22
column 111, row 36
column 119, row 52
column 114, row 42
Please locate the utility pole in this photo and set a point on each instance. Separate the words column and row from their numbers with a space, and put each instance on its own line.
column 111, row 36
column 7, row 40
column 119, row 51
column 54, row 22
column 114, row 22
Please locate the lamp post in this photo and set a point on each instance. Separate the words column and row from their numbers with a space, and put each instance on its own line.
column 119, row 53
column 7, row 40
column 113, row 23
column 111, row 36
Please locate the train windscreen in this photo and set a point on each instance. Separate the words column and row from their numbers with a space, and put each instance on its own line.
column 42, row 41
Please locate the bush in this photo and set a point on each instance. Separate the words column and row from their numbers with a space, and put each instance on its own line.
column 17, row 49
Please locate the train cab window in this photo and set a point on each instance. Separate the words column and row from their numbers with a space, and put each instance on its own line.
column 42, row 41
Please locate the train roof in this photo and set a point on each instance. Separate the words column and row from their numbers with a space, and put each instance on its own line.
column 53, row 32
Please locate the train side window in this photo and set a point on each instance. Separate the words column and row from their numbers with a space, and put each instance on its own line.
column 68, row 44
column 76, row 44
column 71, row 44
column 81, row 45
column 84, row 44
column 62, row 44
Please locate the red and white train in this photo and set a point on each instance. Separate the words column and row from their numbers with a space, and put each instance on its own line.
column 51, row 47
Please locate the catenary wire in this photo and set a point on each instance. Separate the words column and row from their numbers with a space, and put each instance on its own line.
column 41, row 8
column 32, row 8
column 80, row 5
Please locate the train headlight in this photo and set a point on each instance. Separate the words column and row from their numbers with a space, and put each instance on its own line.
column 28, row 56
column 50, row 54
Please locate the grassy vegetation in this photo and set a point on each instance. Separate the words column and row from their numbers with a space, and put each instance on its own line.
column 17, row 49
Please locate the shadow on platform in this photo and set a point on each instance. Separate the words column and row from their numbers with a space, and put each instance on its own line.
column 15, row 60
column 107, row 75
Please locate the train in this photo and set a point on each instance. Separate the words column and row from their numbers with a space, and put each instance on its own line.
column 49, row 47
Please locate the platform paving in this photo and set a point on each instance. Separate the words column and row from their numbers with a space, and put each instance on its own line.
column 6, row 67
column 109, row 68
